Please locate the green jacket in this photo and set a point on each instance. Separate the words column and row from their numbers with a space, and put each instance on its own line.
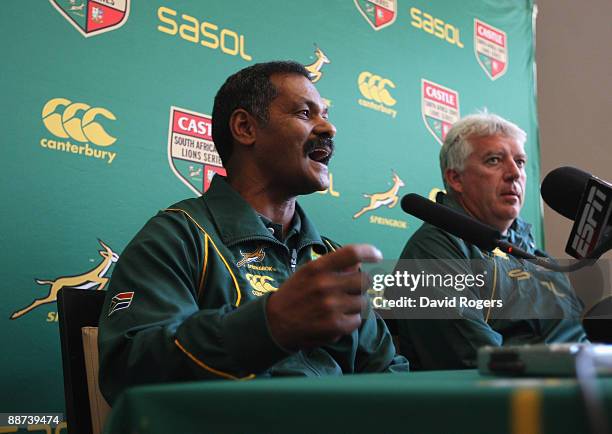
column 188, row 295
column 453, row 343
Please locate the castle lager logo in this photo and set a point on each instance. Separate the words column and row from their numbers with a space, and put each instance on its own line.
column 77, row 122
column 378, row 13
column 191, row 152
column 439, row 107
column 491, row 49
column 92, row 17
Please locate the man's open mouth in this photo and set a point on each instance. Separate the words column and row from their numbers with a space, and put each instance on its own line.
column 320, row 155
column 320, row 150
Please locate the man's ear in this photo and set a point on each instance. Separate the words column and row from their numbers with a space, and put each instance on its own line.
column 242, row 125
column 454, row 180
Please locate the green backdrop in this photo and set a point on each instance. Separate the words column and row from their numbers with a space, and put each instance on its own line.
column 94, row 91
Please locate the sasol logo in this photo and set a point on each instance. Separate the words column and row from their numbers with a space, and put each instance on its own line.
column 435, row 26
column 589, row 226
column 376, row 89
column 80, row 122
column 203, row 33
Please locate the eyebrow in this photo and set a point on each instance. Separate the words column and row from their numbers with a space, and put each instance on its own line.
column 503, row 152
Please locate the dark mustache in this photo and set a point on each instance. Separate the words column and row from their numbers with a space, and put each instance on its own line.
column 323, row 142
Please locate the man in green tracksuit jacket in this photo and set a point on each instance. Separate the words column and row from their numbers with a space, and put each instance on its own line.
column 238, row 284
column 483, row 167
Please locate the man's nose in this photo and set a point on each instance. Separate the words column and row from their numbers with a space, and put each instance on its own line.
column 326, row 128
column 512, row 171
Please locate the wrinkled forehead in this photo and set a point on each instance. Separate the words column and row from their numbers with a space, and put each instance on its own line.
column 295, row 88
column 496, row 144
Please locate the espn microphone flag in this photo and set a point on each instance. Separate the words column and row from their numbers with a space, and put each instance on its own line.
column 590, row 224
column 584, row 198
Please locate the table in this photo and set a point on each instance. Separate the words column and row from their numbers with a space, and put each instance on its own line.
column 416, row 402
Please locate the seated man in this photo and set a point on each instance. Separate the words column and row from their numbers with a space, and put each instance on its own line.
column 483, row 167
column 231, row 285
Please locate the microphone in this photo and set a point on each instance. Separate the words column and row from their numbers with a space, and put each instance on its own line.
column 451, row 221
column 473, row 231
column 587, row 200
column 462, row 226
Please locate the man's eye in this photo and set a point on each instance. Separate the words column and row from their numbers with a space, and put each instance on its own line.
column 304, row 113
column 521, row 163
column 493, row 160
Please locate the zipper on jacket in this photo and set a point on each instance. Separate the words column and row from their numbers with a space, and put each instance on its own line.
column 293, row 259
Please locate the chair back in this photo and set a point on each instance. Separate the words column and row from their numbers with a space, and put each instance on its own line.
column 78, row 308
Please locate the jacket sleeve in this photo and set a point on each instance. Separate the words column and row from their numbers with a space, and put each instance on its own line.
column 162, row 335
column 443, row 343
column 376, row 351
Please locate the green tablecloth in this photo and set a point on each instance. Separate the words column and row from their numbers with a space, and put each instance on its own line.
column 416, row 402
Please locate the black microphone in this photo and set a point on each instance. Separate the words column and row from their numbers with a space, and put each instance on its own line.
column 458, row 224
column 474, row 232
column 587, row 200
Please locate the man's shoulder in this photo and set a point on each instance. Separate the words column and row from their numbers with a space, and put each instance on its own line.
column 177, row 220
column 194, row 206
column 194, row 210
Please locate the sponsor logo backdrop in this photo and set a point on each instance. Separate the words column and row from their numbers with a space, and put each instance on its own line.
column 106, row 120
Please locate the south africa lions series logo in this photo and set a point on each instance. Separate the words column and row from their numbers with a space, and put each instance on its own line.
column 491, row 49
column 92, row 17
column 439, row 107
column 191, row 152
column 378, row 13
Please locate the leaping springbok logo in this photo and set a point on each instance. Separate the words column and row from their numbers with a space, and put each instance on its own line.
column 249, row 257
column 388, row 198
column 91, row 279
column 315, row 68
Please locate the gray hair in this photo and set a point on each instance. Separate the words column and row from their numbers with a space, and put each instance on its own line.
column 457, row 147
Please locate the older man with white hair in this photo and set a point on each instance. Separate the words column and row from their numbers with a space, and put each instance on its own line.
column 483, row 167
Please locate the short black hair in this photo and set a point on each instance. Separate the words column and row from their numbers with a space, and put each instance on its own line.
column 249, row 89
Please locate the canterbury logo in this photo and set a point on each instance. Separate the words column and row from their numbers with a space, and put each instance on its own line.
column 374, row 88
column 387, row 198
column 68, row 124
column 92, row 279
column 315, row 68
column 260, row 284
column 250, row 257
